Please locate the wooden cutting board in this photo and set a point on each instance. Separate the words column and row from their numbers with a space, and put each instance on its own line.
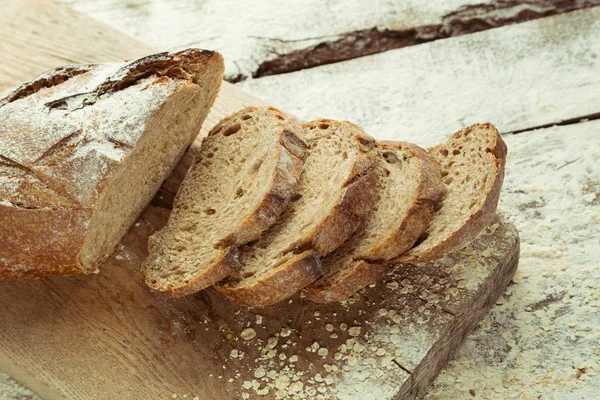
column 106, row 336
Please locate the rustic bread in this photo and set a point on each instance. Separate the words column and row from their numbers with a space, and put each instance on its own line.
column 472, row 163
column 336, row 192
column 409, row 188
column 245, row 174
column 83, row 150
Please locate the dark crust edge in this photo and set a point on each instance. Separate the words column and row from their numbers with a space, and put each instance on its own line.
column 480, row 219
column 355, row 201
column 284, row 283
column 47, row 79
column 224, row 266
column 22, row 228
column 429, row 195
column 180, row 65
column 359, row 274
column 284, row 185
column 284, row 182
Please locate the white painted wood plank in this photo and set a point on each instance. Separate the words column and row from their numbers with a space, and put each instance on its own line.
column 517, row 77
column 250, row 32
column 542, row 339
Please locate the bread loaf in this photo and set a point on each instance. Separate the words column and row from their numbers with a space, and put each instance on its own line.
column 83, row 149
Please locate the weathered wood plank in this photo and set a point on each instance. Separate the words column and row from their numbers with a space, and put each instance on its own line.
column 11, row 389
column 58, row 46
column 263, row 38
column 518, row 77
column 541, row 340
column 108, row 336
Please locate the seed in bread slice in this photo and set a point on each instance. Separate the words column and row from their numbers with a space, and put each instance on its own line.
column 472, row 163
column 336, row 192
column 409, row 188
column 244, row 176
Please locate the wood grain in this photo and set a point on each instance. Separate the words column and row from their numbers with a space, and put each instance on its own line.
column 107, row 336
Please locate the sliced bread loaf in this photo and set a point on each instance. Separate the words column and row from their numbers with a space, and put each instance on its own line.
column 83, row 149
column 336, row 192
column 409, row 188
column 245, row 174
column 472, row 163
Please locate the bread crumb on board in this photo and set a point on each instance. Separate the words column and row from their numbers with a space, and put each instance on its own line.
column 248, row 334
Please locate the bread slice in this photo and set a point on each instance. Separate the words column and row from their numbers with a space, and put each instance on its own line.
column 336, row 192
column 245, row 174
column 83, row 149
column 472, row 163
column 409, row 188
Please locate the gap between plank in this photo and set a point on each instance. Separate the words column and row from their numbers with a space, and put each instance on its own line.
column 465, row 20
column 570, row 121
column 401, row 367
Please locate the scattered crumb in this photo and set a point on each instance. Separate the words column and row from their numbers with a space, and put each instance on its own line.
column 354, row 331
column 248, row 334
column 285, row 332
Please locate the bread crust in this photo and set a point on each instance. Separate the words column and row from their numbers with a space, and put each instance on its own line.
column 368, row 268
column 418, row 217
column 297, row 273
column 478, row 220
column 359, row 274
column 225, row 265
column 20, row 230
column 355, row 203
column 44, row 235
column 45, row 80
column 283, row 187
